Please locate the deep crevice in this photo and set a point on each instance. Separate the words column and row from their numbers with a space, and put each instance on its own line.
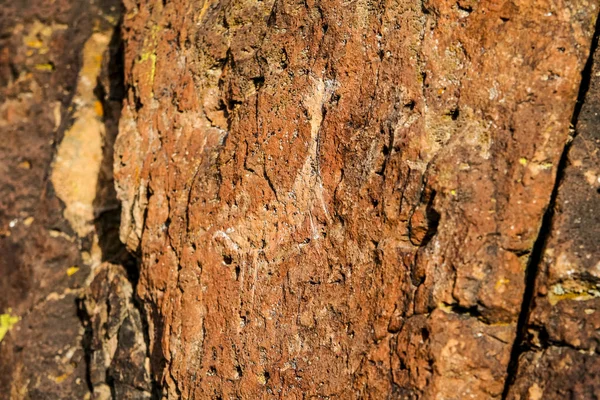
column 110, row 91
column 537, row 252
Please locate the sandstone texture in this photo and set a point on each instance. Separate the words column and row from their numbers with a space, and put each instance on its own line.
column 261, row 199
column 559, row 357
column 345, row 199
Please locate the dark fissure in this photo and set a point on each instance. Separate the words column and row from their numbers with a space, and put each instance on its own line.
column 520, row 344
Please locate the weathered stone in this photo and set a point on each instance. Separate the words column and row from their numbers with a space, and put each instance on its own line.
column 565, row 314
column 117, row 348
column 312, row 184
column 329, row 199
column 79, row 156
column 568, row 284
column 557, row 373
column 59, row 105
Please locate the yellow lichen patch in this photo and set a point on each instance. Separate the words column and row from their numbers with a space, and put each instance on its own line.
column 536, row 167
column 60, row 379
column 555, row 298
column 501, row 284
column 99, row 108
column 523, row 161
column 152, row 58
column 24, row 165
column 35, row 44
column 38, row 36
column 72, row 270
column 7, row 322
column 445, row 308
column 46, row 67
column 153, row 67
column 205, row 7
column 110, row 19
column 149, row 51
column 572, row 290
column 261, row 378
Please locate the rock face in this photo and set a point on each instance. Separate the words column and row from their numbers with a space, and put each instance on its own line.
column 333, row 199
column 561, row 359
column 69, row 327
column 344, row 199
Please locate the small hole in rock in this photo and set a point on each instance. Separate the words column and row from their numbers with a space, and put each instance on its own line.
column 454, row 113
column 467, row 9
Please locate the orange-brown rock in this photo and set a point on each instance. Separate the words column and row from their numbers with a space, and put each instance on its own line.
column 559, row 356
column 333, row 199
column 341, row 198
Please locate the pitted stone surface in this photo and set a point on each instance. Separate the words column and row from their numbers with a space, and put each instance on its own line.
column 339, row 199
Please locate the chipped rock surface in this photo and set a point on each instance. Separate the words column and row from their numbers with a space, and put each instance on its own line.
column 59, row 104
column 327, row 199
column 340, row 198
column 560, row 357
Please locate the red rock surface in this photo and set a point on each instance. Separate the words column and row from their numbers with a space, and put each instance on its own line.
column 340, row 199
column 335, row 199
column 560, row 357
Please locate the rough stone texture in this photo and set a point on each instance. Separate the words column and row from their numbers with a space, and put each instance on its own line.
column 557, row 373
column 564, row 323
column 340, row 198
column 569, row 277
column 59, row 104
column 329, row 199
column 117, row 347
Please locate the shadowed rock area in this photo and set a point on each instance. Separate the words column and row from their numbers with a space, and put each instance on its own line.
column 75, row 331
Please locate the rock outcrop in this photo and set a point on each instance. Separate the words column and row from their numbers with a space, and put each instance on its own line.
column 333, row 199
column 343, row 199
column 70, row 327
